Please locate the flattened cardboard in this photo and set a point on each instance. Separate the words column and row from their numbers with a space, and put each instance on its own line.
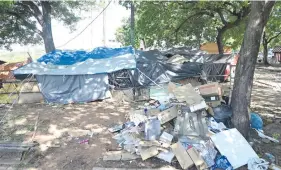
column 182, row 156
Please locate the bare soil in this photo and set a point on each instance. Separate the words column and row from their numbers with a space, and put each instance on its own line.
column 60, row 128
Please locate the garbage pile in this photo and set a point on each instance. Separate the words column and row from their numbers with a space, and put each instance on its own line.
column 189, row 124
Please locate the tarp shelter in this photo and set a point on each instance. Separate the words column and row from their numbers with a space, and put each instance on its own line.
column 212, row 48
column 77, row 76
column 156, row 67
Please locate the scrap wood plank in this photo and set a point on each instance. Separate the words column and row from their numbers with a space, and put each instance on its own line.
column 197, row 159
column 162, row 168
column 148, row 152
column 182, row 156
column 10, row 158
column 119, row 155
column 12, row 149
column 15, row 146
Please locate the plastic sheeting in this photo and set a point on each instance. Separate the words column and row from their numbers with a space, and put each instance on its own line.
column 153, row 65
column 214, row 71
column 59, row 57
column 90, row 66
column 72, row 89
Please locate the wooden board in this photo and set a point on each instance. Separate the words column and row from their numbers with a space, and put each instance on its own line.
column 182, row 156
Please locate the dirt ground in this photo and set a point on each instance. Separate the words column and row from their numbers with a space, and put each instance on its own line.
column 61, row 128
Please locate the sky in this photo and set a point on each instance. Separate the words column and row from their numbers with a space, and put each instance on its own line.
column 92, row 37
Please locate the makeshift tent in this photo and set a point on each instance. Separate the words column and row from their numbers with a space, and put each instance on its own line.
column 155, row 67
column 152, row 69
column 78, row 76
column 212, row 48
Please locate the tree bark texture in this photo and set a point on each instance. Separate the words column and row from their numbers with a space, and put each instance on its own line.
column 241, row 94
column 265, row 48
column 47, row 34
column 219, row 39
column 132, row 24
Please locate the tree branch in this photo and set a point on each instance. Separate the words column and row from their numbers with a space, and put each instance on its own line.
column 191, row 16
column 270, row 39
column 222, row 17
column 264, row 39
column 35, row 10
column 268, row 5
column 27, row 24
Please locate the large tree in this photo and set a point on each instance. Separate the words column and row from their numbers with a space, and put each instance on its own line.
column 272, row 31
column 241, row 94
column 189, row 23
column 30, row 22
column 123, row 34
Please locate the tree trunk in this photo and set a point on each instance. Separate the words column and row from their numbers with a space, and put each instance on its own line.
column 132, row 24
column 241, row 94
column 265, row 53
column 265, row 48
column 220, row 41
column 47, row 27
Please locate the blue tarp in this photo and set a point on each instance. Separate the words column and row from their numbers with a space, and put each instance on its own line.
column 60, row 57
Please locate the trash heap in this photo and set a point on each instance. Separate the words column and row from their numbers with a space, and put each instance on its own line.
column 189, row 124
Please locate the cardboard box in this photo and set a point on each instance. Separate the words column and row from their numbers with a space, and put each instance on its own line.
column 210, row 89
column 214, row 103
column 182, row 156
column 212, row 98
column 168, row 114
column 197, row 159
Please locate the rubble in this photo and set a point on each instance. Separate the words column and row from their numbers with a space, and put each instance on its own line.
column 119, row 155
column 186, row 124
column 263, row 136
column 182, row 156
column 197, row 159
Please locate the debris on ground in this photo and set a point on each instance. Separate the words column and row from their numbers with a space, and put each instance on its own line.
column 257, row 164
column 190, row 125
column 14, row 153
column 262, row 135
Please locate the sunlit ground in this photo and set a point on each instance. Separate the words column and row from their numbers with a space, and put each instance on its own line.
column 61, row 128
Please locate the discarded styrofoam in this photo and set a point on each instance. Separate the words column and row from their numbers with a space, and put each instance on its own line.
column 234, row 146
column 166, row 138
column 166, row 156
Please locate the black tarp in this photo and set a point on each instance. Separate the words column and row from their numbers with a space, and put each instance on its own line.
column 153, row 68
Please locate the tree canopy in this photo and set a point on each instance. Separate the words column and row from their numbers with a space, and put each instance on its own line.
column 29, row 22
column 189, row 23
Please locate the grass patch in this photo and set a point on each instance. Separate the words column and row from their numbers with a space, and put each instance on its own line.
column 12, row 57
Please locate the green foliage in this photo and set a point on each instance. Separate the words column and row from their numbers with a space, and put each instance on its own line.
column 21, row 21
column 123, row 34
column 234, row 37
column 191, row 23
column 273, row 27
